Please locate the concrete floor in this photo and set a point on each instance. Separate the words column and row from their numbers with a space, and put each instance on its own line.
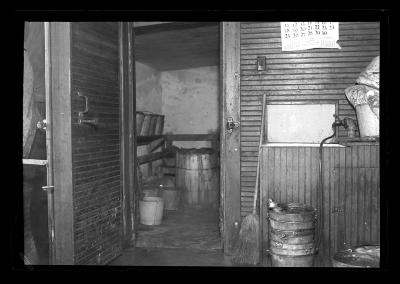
column 188, row 237
column 187, row 257
column 187, row 228
column 172, row 257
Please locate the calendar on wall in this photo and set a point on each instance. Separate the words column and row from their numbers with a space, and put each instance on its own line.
column 307, row 35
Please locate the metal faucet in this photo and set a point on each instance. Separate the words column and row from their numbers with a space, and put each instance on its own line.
column 339, row 122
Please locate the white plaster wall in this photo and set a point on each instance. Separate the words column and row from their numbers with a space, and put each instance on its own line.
column 190, row 102
column 148, row 89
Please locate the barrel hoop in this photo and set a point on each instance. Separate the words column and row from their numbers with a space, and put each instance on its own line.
column 278, row 244
column 292, row 222
column 299, row 232
column 291, row 256
column 201, row 169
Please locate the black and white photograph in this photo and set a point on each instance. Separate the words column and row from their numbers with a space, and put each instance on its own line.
column 216, row 143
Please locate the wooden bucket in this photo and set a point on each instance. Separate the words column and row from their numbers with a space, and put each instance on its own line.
column 291, row 235
column 197, row 177
column 361, row 257
column 139, row 122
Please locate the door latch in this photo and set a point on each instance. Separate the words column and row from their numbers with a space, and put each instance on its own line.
column 231, row 124
column 41, row 124
column 337, row 210
column 48, row 188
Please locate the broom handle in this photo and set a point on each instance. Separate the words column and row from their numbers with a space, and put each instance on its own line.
column 258, row 156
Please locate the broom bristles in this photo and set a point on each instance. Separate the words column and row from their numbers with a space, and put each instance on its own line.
column 248, row 246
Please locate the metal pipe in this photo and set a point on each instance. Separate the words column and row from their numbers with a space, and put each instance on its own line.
column 320, row 192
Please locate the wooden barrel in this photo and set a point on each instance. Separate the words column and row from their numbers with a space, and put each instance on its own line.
column 291, row 235
column 197, row 177
column 361, row 256
column 30, row 113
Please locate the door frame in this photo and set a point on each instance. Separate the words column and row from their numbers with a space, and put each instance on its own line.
column 58, row 142
column 230, row 142
column 59, row 79
column 128, row 132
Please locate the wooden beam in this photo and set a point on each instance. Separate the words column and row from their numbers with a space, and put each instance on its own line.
column 230, row 142
column 156, row 144
column 151, row 157
column 34, row 162
column 192, row 137
column 60, row 41
column 127, row 108
column 171, row 26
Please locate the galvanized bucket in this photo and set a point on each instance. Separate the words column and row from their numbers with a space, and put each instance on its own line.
column 361, row 257
column 291, row 235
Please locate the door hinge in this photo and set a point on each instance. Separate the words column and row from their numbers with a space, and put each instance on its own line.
column 231, row 124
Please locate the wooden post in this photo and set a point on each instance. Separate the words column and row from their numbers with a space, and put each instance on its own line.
column 60, row 80
column 128, row 130
column 230, row 142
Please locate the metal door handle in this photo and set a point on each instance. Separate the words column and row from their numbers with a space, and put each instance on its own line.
column 81, row 113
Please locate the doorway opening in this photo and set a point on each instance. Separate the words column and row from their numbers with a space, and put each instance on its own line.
column 177, row 135
column 35, row 199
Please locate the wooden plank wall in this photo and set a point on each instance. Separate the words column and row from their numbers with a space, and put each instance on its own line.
column 96, row 152
column 350, row 186
column 309, row 75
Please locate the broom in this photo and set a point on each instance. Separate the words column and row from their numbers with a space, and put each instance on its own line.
column 247, row 250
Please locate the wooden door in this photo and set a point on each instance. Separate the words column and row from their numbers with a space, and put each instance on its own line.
column 230, row 140
column 87, row 130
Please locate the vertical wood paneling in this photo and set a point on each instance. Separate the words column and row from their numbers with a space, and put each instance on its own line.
column 307, row 75
column 96, row 151
column 307, row 191
column 347, row 197
column 354, row 196
column 350, row 189
column 341, row 201
column 283, row 172
column 314, row 175
column 326, row 196
column 289, row 174
column 375, row 200
column 301, row 175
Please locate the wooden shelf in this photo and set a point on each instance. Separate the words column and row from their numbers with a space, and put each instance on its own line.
column 168, row 139
column 151, row 157
column 143, row 140
column 357, row 141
